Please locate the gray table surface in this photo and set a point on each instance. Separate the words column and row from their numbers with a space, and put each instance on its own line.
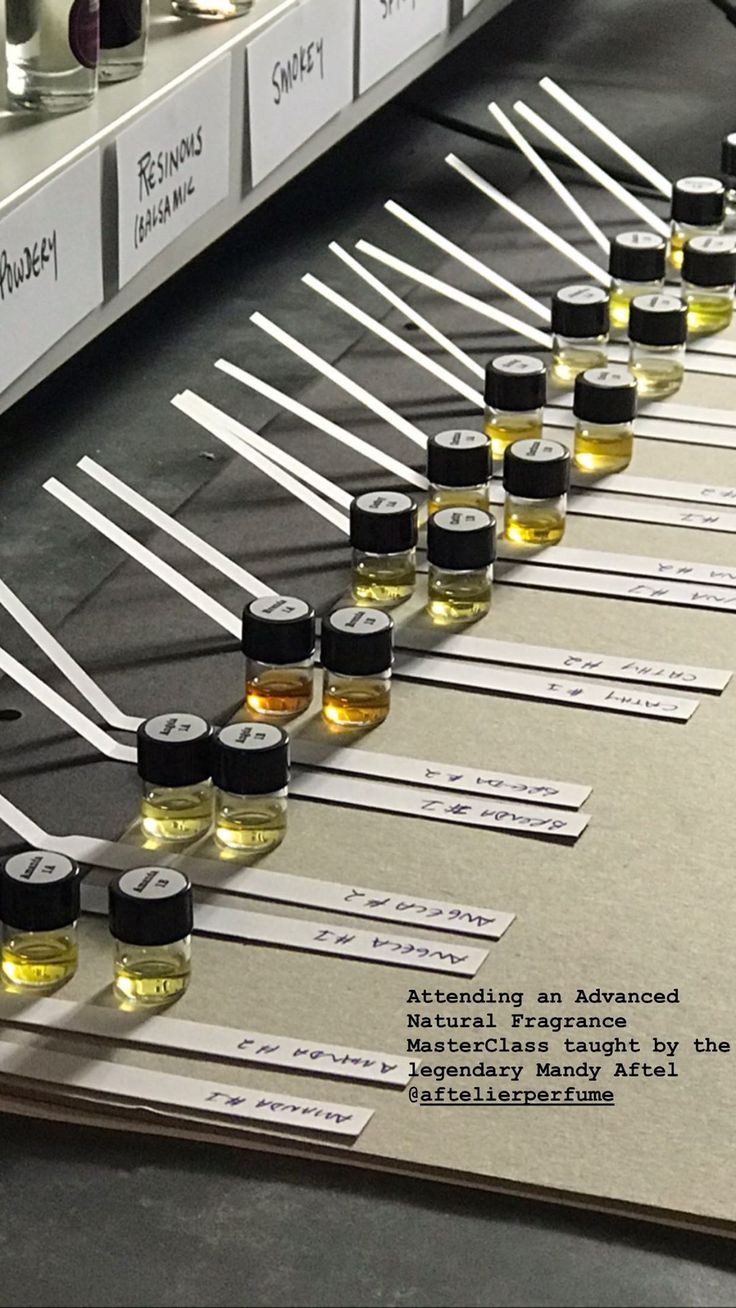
column 96, row 1218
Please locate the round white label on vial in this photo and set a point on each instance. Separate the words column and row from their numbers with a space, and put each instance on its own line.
column 176, row 727
column 251, row 735
column 384, row 502
column 657, row 303
column 538, row 451
column 37, row 868
column 360, row 622
column 461, row 440
column 639, row 240
column 519, row 365
column 152, row 882
column 461, row 519
column 610, row 378
column 712, row 244
column 582, row 294
column 699, row 185
column 279, row 608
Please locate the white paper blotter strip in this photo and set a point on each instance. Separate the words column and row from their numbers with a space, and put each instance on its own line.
column 614, row 666
column 590, row 505
column 632, row 565
column 489, row 814
column 316, row 938
column 204, row 1040
column 621, row 483
column 660, row 429
column 672, row 411
column 687, row 596
column 458, row 777
column 146, row 1090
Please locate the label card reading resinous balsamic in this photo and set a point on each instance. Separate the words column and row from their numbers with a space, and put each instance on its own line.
column 173, row 166
column 300, row 74
column 393, row 30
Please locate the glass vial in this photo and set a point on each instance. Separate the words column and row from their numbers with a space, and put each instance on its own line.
column 728, row 177
column 52, row 50
column 604, row 407
column 657, row 332
column 458, row 469
column 123, row 38
column 536, row 479
column 461, row 549
column 175, row 765
column 278, row 643
column 383, row 536
column 637, row 265
column 515, row 395
column 39, row 907
column 357, row 657
column 150, row 915
column 250, row 770
column 698, row 209
column 708, row 276
column 214, row 10
column 580, row 323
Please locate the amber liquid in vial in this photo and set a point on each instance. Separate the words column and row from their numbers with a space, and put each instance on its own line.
column 40, row 960
column 535, row 523
column 569, row 360
column 457, row 597
column 383, row 581
column 279, row 692
column 457, row 497
column 708, row 313
column 250, row 824
column 603, row 449
column 657, row 377
column 176, row 813
column 503, row 429
column 150, row 975
column 355, row 701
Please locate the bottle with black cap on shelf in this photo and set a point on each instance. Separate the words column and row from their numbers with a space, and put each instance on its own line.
column 357, row 657
column 175, row 766
column 150, row 918
column 459, row 470
column 536, row 479
column 604, row 407
column 461, row 550
column 637, row 264
column 580, row 322
column 39, row 907
column 278, row 642
column 515, row 395
column 698, row 209
column 383, row 536
column 708, row 276
column 728, row 177
column 250, row 769
column 657, row 336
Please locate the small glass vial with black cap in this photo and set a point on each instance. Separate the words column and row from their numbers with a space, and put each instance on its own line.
column 515, row 395
column 536, row 479
column 459, row 469
column 580, row 322
column 278, row 642
column 151, row 916
column 250, row 770
column 357, row 653
column 39, row 907
column 461, row 550
column 698, row 209
column 728, row 177
column 175, row 766
column 383, row 535
column 657, row 335
column 708, row 276
column 604, row 407
column 637, row 265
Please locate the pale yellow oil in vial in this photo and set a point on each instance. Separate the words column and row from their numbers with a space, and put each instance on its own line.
column 503, row 429
column 355, row 701
column 619, row 302
column 38, row 960
column 457, row 497
column 383, row 581
column 676, row 250
column 708, row 313
column 279, row 692
column 657, row 377
column 176, row 813
column 537, row 524
column 604, row 449
column 571, row 360
column 457, row 597
column 148, row 976
column 250, row 824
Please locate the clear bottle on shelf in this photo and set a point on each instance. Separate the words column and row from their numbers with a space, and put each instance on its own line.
column 461, row 550
column 728, row 177
column 123, row 38
column 278, row 642
column 698, row 209
column 637, row 265
column 657, row 335
column 357, row 657
column 383, row 536
column 459, row 470
column 250, row 770
column 150, row 918
column 175, row 766
column 604, row 407
column 211, row 10
column 515, row 395
column 52, row 52
column 580, row 322
column 536, row 479
column 39, row 907
column 708, row 276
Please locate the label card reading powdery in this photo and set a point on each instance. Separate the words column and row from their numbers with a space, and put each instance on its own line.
column 173, row 166
column 300, row 74
column 50, row 266
column 89, row 1078
column 392, row 30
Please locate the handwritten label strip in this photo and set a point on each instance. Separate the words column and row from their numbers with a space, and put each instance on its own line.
column 121, row 1082
column 591, row 505
column 393, row 30
column 208, row 1041
column 621, row 483
column 441, row 776
column 676, row 592
column 630, row 565
column 661, row 429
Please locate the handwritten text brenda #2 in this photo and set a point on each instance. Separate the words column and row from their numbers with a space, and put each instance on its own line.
column 166, row 168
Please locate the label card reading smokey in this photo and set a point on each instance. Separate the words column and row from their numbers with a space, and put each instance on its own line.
column 300, row 75
column 173, row 166
column 392, row 30
column 50, row 265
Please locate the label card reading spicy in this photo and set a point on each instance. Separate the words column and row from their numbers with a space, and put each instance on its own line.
column 392, row 30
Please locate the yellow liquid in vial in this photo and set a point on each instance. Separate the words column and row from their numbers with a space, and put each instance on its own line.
column 599, row 451
column 252, row 826
column 280, row 692
column 39, row 960
column 707, row 314
column 568, row 363
column 504, row 428
column 657, row 378
column 359, row 703
column 144, row 983
column 676, row 250
column 383, row 586
column 458, row 497
column 177, row 816
column 619, row 303
column 459, row 601
column 532, row 525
